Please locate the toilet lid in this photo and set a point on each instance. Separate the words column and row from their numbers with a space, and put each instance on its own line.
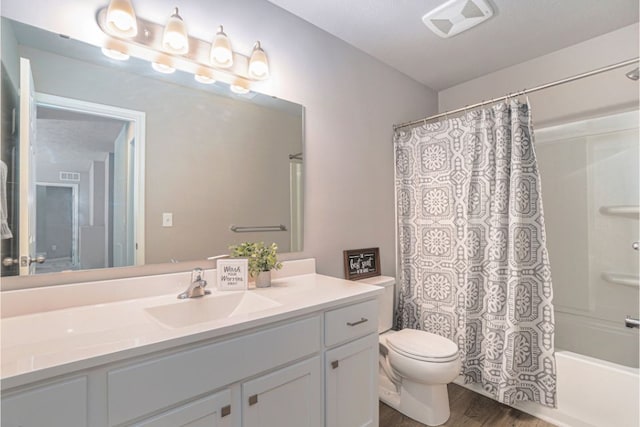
column 423, row 345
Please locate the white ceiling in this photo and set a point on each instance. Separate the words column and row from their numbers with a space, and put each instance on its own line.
column 392, row 31
column 70, row 141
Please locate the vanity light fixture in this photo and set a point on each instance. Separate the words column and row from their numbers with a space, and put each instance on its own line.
column 221, row 53
column 258, row 63
column 121, row 19
column 175, row 38
column 169, row 48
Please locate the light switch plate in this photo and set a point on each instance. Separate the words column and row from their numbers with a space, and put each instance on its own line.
column 167, row 219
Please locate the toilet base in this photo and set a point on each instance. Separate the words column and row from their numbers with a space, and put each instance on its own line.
column 428, row 404
column 388, row 393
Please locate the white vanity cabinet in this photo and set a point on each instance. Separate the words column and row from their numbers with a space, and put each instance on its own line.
column 62, row 404
column 137, row 389
column 309, row 367
column 351, row 368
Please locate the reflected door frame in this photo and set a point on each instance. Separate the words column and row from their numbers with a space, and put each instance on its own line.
column 138, row 118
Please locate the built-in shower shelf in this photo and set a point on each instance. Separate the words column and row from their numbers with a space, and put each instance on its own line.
column 629, row 211
column 622, row 279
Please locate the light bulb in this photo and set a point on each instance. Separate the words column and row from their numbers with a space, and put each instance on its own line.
column 121, row 19
column 162, row 67
column 204, row 79
column 258, row 63
column 115, row 49
column 175, row 38
column 221, row 53
column 239, row 86
column 114, row 54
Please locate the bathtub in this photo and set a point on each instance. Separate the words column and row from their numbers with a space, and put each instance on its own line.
column 591, row 393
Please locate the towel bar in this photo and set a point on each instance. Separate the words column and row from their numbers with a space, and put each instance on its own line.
column 257, row 228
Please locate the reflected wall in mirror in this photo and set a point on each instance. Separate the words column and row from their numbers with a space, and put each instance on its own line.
column 211, row 160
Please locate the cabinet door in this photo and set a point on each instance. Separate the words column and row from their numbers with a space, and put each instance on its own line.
column 211, row 411
column 352, row 384
column 62, row 404
column 289, row 397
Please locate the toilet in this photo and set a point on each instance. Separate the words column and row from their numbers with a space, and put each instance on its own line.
column 415, row 366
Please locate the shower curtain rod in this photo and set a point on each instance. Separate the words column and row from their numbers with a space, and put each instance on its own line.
column 522, row 92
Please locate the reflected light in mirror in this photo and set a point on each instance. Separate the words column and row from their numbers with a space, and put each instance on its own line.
column 175, row 38
column 162, row 66
column 114, row 54
column 239, row 86
column 204, row 79
column 121, row 19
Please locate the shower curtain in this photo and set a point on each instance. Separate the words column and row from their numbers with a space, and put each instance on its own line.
column 473, row 264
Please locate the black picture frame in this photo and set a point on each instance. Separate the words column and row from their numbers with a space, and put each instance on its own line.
column 361, row 263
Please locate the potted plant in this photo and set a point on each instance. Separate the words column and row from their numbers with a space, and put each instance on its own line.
column 262, row 259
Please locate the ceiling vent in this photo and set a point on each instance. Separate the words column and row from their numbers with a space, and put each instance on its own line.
column 456, row 16
column 69, row 176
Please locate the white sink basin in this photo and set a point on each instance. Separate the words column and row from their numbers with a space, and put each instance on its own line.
column 211, row 307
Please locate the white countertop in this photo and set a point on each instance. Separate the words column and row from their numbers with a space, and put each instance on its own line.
column 42, row 345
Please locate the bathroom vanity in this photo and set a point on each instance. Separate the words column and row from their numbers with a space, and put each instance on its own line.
column 301, row 353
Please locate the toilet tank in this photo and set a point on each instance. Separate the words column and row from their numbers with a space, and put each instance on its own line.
column 385, row 301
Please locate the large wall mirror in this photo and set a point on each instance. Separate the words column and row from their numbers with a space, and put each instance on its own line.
column 131, row 167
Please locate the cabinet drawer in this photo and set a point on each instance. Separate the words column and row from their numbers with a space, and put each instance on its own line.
column 289, row 397
column 350, row 322
column 212, row 411
column 166, row 380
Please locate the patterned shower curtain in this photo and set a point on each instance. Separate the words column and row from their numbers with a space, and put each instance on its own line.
column 473, row 259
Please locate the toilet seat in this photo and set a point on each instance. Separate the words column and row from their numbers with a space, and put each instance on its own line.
column 423, row 346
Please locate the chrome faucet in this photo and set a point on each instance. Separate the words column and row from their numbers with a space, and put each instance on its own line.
column 197, row 287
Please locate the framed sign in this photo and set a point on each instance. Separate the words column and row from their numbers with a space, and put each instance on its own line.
column 361, row 263
column 232, row 274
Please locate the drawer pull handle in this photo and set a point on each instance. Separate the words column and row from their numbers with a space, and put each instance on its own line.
column 362, row 320
column 225, row 410
column 253, row 399
column 335, row 364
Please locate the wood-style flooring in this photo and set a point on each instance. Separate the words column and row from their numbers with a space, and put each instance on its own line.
column 468, row 409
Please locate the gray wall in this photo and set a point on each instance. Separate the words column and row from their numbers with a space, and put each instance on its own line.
column 351, row 101
column 52, row 174
column 9, row 54
column 592, row 96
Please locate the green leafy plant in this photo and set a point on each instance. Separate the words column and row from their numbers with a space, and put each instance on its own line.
column 261, row 257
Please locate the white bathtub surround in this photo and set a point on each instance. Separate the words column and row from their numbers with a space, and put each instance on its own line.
column 589, row 170
column 473, row 262
column 591, row 393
